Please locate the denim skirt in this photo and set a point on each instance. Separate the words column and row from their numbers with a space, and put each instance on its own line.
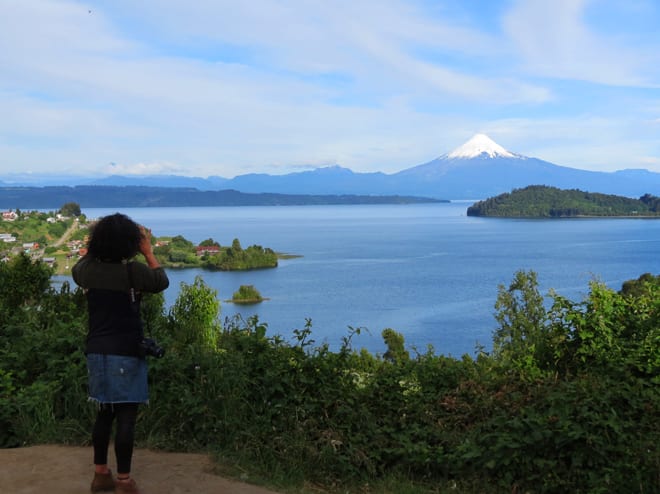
column 117, row 379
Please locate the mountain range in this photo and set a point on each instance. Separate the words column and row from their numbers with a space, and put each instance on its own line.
column 479, row 168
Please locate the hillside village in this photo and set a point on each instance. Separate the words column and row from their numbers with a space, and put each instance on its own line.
column 58, row 238
column 54, row 237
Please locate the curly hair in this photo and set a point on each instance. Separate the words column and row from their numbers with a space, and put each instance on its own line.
column 114, row 238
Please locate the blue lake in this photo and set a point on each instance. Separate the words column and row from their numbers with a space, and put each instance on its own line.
column 428, row 271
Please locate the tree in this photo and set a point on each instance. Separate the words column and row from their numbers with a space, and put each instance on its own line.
column 22, row 281
column 520, row 340
column 70, row 209
column 396, row 351
column 653, row 202
column 195, row 316
column 247, row 294
column 180, row 242
column 180, row 250
column 640, row 286
column 209, row 242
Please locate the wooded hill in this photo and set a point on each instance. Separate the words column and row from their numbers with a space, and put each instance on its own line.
column 539, row 201
column 139, row 196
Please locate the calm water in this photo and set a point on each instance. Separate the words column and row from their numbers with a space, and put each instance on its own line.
column 427, row 271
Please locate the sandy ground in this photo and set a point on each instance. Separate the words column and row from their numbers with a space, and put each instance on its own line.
column 69, row 470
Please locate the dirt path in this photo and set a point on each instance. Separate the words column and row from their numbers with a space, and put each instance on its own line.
column 69, row 470
column 67, row 234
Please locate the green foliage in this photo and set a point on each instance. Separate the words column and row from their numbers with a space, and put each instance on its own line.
column 181, row 243
column 644, row 285
column 652, row 202
column 8, row 435
column 34, row 228
column 246, row 294
column 82, row 231
column 174, row 252
column 523, row 341
column 209, row 242
column 22, row 283
column 57, row 229
column 396, row 351
column 70, row 209
column 567, row 401
column 587, row 434
column 180, row 252
column 42, row 372
column 194, row 316
column 236, row 258
column 540, row 201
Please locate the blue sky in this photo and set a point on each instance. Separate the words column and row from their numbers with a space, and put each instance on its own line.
column 213, row 87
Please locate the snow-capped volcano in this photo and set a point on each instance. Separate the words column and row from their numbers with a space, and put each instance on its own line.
column 478, row 145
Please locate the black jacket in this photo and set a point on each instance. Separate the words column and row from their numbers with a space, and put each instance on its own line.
column 115, row 326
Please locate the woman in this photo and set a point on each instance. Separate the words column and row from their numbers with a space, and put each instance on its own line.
column 116, row 365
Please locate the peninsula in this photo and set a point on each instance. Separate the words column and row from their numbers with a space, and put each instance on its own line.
column 106, row 196
column 58, row 239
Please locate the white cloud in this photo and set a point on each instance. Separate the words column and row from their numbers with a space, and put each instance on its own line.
column 554, row 39
column 218, row 87
column 585, row 142
column 650, row 163
column 142, row 169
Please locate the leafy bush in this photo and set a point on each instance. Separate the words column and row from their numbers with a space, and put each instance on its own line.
column 567, row 401
column 70, row 209
column 246, row 294
column 42, row 373
column 237, row 258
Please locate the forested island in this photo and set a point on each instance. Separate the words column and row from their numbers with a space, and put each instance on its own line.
column 540, row 201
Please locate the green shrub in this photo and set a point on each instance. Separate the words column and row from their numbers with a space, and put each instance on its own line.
column 567, row 402
column 246, row 294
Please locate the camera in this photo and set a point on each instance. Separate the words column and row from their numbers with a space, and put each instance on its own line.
column 148, row 347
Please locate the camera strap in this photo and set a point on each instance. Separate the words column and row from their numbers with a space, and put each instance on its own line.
column 134, row 296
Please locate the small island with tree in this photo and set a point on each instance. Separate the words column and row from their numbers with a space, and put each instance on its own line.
column 246, row 294
column 540, row 201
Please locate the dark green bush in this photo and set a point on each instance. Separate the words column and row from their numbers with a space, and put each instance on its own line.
column 567, row 402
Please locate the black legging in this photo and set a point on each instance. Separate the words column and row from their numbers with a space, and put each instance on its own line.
column 126, row 414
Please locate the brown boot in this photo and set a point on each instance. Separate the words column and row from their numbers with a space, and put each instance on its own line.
column 126, row 487
column 103, row 482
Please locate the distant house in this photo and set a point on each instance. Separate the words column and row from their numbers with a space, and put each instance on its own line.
column 9, row 216
column 49, row 260
column 207, row 250
column 75, row 245
column 29, row 246
column 7, row 237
